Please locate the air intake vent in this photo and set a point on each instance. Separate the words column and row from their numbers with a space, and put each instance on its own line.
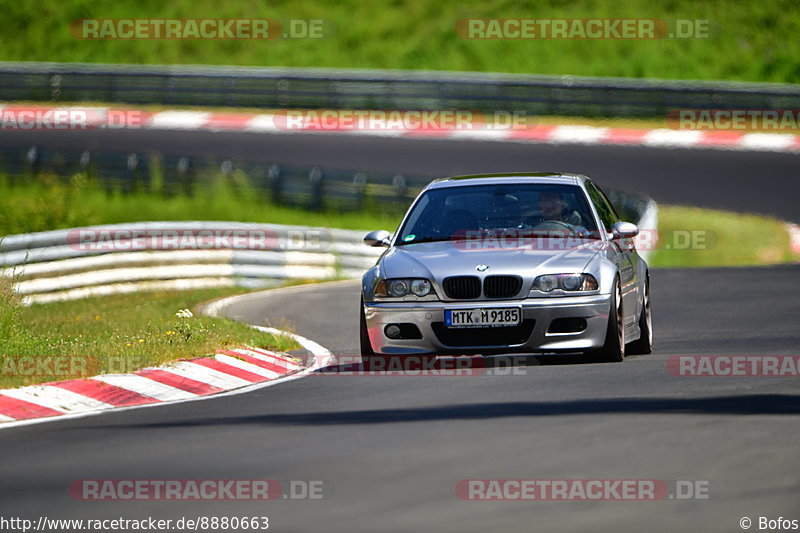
column 478, row 337
column 502, row 286
column 462, row 287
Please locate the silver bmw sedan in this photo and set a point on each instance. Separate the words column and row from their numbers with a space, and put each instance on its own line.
column 508, row 263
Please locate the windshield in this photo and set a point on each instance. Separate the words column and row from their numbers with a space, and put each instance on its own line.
column 541, row 209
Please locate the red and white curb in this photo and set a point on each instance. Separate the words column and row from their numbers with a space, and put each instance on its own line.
column 113, row 118
column 232, row 371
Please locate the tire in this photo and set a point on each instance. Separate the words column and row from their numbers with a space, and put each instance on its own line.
column 644, row 345
column 613, row 351
column 367, row 353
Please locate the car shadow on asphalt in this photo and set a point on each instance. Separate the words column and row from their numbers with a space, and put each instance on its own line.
column 755, row 404
column 399, row 363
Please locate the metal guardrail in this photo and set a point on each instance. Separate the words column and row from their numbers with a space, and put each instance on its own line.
column 77, row 263
column 310, row 187
column 380, row 89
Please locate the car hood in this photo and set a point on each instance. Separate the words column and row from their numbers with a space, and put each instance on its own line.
column 438, row 260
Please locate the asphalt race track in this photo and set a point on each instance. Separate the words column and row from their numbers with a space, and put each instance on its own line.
column 390, row 450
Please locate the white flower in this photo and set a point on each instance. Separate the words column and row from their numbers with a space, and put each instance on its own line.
column 184, row 313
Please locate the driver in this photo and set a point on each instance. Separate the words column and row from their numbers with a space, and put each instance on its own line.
column 553, row 207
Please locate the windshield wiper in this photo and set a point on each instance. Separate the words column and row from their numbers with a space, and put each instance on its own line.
column 429, row 239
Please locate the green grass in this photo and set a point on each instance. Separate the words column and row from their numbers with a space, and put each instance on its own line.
column 755, row 41
column 112, row 334
column 694, row 237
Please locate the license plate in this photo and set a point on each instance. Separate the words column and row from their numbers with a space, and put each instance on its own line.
column 477, row 318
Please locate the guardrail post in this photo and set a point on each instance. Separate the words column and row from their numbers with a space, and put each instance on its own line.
column 185, row 175
column 316, row 181
column 132, row 168
column 282, row 93
column 226, row 167
column 169, row 86
column 360, row 185
column 55, row 86
column 229, row 97
column 86, row 163
column 33, row 158
column 237, row 180
column 400, row 188
column 275, row 180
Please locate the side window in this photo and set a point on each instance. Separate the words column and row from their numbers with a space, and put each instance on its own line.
column 608, row 216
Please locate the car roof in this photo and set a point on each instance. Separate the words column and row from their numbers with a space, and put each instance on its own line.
column 509, row 177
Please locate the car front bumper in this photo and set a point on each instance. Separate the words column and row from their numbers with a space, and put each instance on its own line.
column 532, row 336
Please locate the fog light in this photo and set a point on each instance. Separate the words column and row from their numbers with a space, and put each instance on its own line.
column 567, row 325
column 392, row 331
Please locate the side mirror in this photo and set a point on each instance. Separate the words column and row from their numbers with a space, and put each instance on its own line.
column 378, row 238
column 624, row 230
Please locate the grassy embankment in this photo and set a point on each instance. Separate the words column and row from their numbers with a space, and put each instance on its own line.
column 752, row 41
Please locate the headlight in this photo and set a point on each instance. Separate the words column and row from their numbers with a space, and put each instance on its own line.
column 397, row 288
column 572, row 282
column 546, row 283
column 565, row 282
column 421, row 287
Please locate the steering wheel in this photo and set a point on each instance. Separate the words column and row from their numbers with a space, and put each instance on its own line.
column 552, row 225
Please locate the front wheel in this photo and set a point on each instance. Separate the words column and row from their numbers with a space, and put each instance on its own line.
column 613, row 351
column 367, row 353
column 644, row 345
